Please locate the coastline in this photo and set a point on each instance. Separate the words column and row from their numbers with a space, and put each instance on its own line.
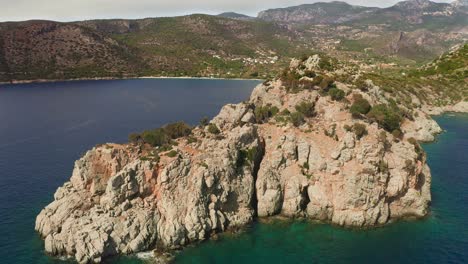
column 460, row 107
column 128, row 78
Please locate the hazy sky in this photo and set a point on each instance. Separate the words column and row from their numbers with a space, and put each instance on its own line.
column 69, row 10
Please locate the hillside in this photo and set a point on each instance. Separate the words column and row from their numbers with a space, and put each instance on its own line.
column 51, row 50
column 443, row 82
column 202, row 45
column 195, row 45
column 232, row 45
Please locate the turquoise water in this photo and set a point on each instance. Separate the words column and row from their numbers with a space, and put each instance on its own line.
column 44, row 128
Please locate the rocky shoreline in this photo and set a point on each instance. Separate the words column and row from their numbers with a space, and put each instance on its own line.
column 125, row 199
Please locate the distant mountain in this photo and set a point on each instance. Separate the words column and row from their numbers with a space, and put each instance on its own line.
column 317, row 13
column 422, row 13
column 459, row 3
column 234, row 15
column 425, row 13
column 418, row 5
column 195, row 45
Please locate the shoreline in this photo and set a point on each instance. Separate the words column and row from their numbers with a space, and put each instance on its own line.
column 129, row 78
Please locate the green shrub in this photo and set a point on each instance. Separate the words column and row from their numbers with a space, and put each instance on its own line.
column 310, row 74
column 382, row 137
column 326, row 63
column 383, row 166
column 362, row 85
column 360, row 130
column 397, row 134
column 409, row 166
column 306, row 108
column 254, row 74
column 171, row 154
column 386, row 116
column 191, row 140
column 413, row 141
column 336, row 94
column 177, row 130
column 204, row 122
column 317, row 80
column 290, row 80
column 263, row 113
column 156, row 137
column 360, row 106
column 297, row 119
column 161, row 137
column 326, row 83
column 246, row 157
column 419, row 150
column 134, row 137
column 213, row 129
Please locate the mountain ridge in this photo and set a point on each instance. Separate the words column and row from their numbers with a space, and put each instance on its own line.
column 231, row 47
column 341, row 12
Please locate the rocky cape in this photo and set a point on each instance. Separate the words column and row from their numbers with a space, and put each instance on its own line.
column 124, row 199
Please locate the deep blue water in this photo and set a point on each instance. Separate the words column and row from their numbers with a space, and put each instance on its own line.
column 44, row 128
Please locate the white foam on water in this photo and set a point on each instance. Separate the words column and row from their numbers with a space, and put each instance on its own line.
column 145, row 255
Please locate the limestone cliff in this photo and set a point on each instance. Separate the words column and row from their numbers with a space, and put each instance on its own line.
column 123, row 199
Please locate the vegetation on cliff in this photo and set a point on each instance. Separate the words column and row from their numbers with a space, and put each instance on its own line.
column 162, row 137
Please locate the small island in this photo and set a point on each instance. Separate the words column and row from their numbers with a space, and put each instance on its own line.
column 320, row 142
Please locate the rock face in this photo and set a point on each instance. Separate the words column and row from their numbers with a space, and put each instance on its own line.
column 338, row 178
column 121, row 201
column 118, row 203
column 423, row 128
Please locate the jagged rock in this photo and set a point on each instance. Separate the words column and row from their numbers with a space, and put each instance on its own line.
column 423, row 128
column 230, row 115
column 461, row 107
column 312, row 62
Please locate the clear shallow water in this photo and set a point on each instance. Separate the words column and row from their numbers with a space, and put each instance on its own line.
column 44, row 128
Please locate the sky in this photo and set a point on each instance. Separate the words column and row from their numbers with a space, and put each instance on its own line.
column 72, row 10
